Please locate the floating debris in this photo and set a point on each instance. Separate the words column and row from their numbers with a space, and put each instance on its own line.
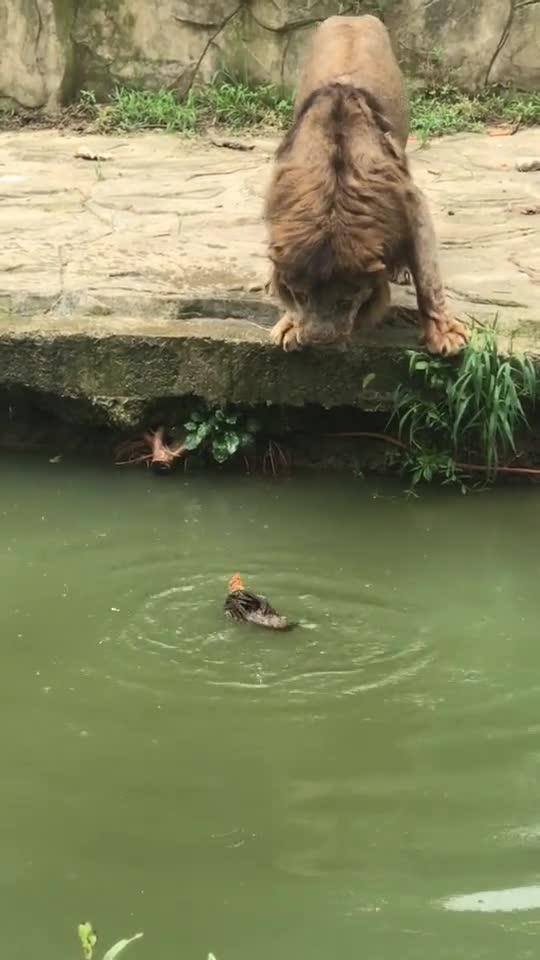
column 496, row 901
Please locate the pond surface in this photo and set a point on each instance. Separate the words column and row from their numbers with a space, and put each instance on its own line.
column 365, row 786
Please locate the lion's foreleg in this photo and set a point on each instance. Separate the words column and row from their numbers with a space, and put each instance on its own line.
column 285, row 333
column 371, row 313
column 442, row 332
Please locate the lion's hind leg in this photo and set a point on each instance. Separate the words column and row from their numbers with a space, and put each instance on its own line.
column 372, row 312
column 401, row 276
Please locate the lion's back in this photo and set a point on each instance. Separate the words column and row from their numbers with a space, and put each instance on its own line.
column 356, row 51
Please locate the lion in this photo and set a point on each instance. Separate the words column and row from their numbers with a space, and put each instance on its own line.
column 343, row 213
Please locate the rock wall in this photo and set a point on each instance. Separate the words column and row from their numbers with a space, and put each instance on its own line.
column 54, row 48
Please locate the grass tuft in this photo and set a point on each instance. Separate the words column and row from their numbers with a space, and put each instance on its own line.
column 447, row 110
column 222, row 102
column 435, row 111
column 454, row 409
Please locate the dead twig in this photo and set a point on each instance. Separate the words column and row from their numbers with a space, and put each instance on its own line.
column 84, row 154
column 528, row 165
column 230, row 144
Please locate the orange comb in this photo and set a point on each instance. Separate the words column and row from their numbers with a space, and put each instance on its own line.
column 236, row 583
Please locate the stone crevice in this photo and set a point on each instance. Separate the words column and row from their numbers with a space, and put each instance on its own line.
column 38, row 51
column 202, row 24
column 291, row 26
column 502, row 40
column 39, row 28
column 211, row 40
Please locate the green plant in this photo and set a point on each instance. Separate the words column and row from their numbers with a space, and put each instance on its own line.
column 88, row 939
column 438, row 108
column 441, row 108
column 427, row 465
column 223, row 101
column 220, row 433
column 238, row 104
column 454, row 409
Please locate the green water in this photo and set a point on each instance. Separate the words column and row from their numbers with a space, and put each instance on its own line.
column 306, row 796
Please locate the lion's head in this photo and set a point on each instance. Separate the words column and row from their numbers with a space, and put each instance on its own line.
column 336, row 210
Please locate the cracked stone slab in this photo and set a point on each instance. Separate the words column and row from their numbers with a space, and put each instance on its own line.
column 164, row 245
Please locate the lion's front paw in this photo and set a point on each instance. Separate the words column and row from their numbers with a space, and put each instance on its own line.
column 285, row 334
column 445, row 337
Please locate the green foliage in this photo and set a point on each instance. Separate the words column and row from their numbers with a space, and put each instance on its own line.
column 452, row 409
column 223, row 101
column 427, row 465
column 438, row 109
column 445, row 109
column 441, row 107
column 88, row 939
column 220, row 433
column 236, row 104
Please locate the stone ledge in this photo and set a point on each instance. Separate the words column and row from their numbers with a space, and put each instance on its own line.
column 142, row 278
column 128, row 364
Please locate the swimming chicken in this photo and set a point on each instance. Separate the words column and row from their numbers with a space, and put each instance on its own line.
column 241, row 604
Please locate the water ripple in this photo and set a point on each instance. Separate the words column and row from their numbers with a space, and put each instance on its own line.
column 344, row 644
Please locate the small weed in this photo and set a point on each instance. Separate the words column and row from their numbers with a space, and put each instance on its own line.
column 219, row 433
column 454, row 410
column 427, row 465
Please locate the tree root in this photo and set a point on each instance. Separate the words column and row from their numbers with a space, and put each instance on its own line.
column 463, row 467
column 152, row 450
column 275, row 459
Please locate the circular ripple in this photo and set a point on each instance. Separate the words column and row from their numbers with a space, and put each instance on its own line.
column 343, row 644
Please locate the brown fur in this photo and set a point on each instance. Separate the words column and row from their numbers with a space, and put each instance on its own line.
column 343, row 212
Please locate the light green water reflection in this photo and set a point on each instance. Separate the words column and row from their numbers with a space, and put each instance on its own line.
column 320, row 794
